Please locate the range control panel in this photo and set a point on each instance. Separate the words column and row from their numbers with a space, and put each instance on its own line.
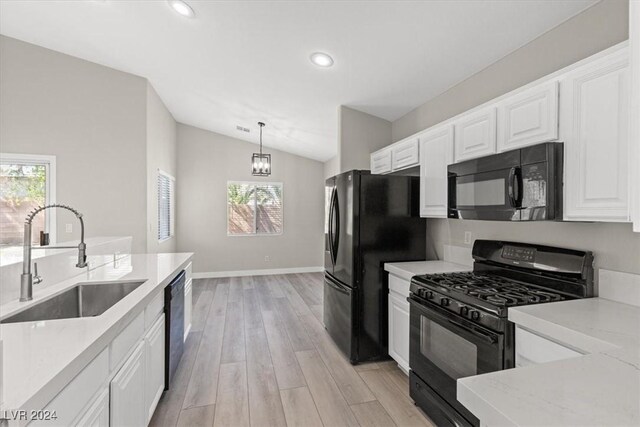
column 519, row 253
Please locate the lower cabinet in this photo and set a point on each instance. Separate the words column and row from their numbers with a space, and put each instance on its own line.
column 399, row 329
column 127, row 391
column 532, row 349
column 154, row 369
column 98, row 413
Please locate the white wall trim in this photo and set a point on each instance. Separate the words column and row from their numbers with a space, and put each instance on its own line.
column 266, row 272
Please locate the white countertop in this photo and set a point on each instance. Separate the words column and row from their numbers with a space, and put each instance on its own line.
column 600, row 388
column 40, row 358
column 406, row 270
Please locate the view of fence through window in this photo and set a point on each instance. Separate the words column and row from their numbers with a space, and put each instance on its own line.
column 22, row 188
column 254, row 208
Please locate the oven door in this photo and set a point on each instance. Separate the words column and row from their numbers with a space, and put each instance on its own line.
column 444, row 347
column 493, row 195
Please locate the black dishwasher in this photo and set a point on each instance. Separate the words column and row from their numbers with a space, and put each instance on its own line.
column 174, row 326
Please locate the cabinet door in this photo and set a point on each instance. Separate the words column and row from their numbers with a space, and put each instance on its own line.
column 188, row 306
column 436, row 153
column 97, row 415
column 154, row 376
column 381, row 161
column 127, row 392
column 399, row 330
column 594, row 102
column 405, row 154
column 475, row 134
column 634, row 135
column 530, row 117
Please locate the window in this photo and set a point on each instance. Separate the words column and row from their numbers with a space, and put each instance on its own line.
column 254, row 208
column 26, row 181
column 166, row 206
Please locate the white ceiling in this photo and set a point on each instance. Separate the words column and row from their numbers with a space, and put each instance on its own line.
column 240, row 62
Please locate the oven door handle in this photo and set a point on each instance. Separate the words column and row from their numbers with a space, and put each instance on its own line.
column 435, row 315
column 477, row 332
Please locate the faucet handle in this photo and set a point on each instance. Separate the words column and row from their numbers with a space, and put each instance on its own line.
column 36, row 279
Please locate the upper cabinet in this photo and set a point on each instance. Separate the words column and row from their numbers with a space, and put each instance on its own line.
column 436, row 153
column 405, row 154
column 381, row 161
column 594, row 107
column 401, row 155
column 475, row 134
column 529, row 117
column 634, row 116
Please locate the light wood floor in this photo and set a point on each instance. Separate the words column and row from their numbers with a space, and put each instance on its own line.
column 258, row 355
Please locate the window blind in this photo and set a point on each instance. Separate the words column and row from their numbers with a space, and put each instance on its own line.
column 165, row 206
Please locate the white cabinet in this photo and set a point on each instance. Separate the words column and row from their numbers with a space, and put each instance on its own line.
column 405, row 154
column 399, row 321
column 154, row 366
column 381, row 161
column 634, row 116
column 436, row 153
column 594, row 107
column 529, row 117
column 533, row 349
column 475, row 134
column 188, row 307
column 97, row 415
column 127, row 391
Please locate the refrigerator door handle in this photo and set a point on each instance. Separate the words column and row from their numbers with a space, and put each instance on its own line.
column 331, row 214
column 336, row 208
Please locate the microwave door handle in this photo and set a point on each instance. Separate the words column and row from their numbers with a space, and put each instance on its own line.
column 515, row 187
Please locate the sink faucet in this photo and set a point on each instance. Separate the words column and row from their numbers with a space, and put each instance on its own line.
column 26, row 279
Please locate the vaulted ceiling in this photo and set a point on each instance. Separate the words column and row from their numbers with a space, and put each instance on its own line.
column 240, row 62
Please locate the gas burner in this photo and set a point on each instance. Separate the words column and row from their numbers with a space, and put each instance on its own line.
column 496, row 290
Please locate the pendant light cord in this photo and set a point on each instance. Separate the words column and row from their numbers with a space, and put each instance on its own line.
column 261, row 126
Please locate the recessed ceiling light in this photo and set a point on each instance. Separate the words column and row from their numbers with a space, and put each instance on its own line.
column 321, row 59
column 182, row 8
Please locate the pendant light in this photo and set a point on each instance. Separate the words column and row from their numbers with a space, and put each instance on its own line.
column 261, row 163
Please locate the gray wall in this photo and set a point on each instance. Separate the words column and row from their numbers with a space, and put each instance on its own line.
column 93, row 119
column 206, row 162
column 359, row 135
column 603, row 25
column 109, row 131
column 161, row 154
column 332, row 167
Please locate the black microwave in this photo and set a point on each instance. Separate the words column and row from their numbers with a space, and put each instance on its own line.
column 517, row 185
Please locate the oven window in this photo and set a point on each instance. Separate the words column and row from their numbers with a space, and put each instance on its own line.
column 453, row 354
column 481, row 193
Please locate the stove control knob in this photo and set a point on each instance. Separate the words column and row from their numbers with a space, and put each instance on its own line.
column 464, row 310
column 430, row 295
column 475, row 315
column 444, row 302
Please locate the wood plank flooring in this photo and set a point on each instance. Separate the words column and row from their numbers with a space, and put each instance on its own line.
column 258, row 355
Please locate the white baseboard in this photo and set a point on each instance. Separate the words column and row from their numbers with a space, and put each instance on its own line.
column 266, row 272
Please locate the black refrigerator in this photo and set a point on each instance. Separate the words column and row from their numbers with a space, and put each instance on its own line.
column 370, row 220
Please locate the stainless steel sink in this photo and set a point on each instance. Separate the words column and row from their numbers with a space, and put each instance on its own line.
column 83, row 300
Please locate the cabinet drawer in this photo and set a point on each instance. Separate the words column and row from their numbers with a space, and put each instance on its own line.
column 399, row 285
column 532, row 349
column 153, row 310
column 381, row 161
column 124, row 342
column 405, row 154
column 70, row 402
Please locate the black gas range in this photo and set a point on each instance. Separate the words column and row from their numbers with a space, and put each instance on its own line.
column 459, row 325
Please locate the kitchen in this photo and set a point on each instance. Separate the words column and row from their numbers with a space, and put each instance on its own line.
column 514, row 161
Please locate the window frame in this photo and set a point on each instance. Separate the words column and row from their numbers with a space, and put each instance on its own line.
column 172, row 206
column 255, row 205
column 49, row 161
